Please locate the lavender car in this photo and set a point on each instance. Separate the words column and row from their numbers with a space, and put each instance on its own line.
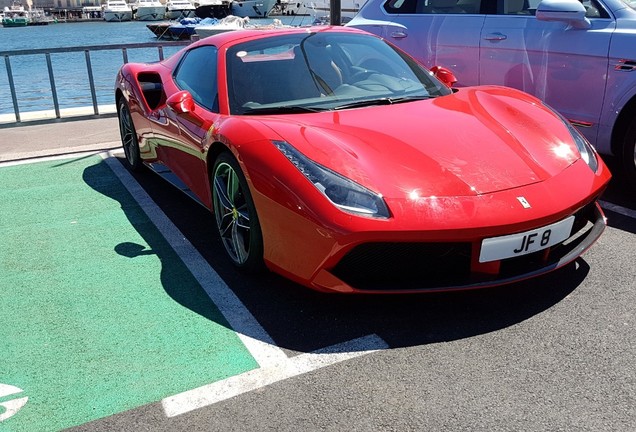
column 577, row 56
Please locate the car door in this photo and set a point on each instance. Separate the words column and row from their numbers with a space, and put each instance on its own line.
column 184, row 154
column 439, row 33
column 565, row 65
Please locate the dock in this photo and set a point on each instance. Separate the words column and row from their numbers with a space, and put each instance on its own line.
column 60, row 137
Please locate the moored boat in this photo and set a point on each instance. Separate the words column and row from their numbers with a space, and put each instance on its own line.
column 213, row 8
column 148, row 10
column 179, row 30
column 15, row 16
column 39, row 17
column 229, row 23
column 117, row 11
column 252, row 8
column 234, row 23
column 178, row 9
column 289, row 8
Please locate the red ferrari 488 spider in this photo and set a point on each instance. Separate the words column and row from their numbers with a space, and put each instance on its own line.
column 335, row 159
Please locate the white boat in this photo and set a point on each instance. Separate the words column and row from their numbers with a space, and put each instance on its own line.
column 229, row 23
column 116, row 11
column 252, row 8
column 234, row 23
column 15, row 16
column 178, row 9
column 39, row 17
column 321, row 8
column 148, row 10
column 290, row 8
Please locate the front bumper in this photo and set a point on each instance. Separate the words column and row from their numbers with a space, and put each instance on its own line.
column 412, row 267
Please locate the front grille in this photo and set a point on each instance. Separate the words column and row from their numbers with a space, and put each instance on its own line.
column 421, row 266
column 378, row 266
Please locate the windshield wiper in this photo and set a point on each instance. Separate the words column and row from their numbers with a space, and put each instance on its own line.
column 290, row 109
column 381, row 101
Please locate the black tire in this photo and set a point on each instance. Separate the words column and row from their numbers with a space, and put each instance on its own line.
column 628, row 158
column 235, row 215
column 129, row 137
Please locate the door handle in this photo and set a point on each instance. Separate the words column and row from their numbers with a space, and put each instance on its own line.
column 398, row 34
column 496, row 36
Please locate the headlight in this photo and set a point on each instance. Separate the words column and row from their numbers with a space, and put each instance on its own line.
column 588, row 154
column 345, row 194
column 585, row 148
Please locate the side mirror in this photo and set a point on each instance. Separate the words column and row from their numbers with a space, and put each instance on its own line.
column 181, row 102
column 571, row 12
column 444, row 75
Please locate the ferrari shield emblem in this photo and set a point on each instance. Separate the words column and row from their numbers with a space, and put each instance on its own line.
column 524, row 202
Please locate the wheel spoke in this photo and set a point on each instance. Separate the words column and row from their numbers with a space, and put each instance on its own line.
column 225, row 223
column 238, row 242
column 233, row 187
column 220, row 188
column 243, row 219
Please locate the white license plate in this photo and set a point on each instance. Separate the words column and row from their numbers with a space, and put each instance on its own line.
column 509, row 246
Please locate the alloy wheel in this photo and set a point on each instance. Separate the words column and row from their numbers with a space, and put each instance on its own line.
column 232, row 213
column 128, row 137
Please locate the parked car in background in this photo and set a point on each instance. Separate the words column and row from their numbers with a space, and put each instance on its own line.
column 338, row 161
column 577, row 56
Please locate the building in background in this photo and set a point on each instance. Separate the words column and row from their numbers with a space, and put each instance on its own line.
column 79, row 9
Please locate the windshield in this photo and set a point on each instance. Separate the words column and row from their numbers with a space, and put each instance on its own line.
column 308, row 72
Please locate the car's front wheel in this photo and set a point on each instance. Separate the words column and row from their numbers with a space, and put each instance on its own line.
column 629, row 155
column 128, row 137
column 235, row 214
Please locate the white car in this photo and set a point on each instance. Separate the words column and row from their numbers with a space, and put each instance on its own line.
column 577, row 56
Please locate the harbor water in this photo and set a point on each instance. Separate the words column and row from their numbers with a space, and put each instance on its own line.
column 30, row 72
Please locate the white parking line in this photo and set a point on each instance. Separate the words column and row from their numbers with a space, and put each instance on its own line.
column 255, row 379
column 274, row 364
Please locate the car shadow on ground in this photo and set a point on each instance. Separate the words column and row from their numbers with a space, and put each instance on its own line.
column 619, row 193
column 301, row 320
column 176, row 279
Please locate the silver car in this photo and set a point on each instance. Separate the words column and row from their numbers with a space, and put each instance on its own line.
column 577, row 56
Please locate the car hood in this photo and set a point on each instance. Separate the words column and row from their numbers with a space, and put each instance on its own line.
column 476, row 141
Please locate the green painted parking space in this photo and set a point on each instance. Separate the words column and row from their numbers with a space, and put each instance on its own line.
column 98, row 314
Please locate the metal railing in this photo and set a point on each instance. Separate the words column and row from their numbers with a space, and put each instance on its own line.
column 87, row 55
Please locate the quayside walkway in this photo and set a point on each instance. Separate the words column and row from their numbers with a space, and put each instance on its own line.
column 31, row 140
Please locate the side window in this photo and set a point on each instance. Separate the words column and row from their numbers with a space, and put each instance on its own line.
column 594, row 10
column 401, row 6
column 519, row 7
column 432, row 6
column 529, row 7
column 197, row 74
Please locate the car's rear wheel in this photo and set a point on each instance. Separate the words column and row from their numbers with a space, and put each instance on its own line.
column 629, row 155
column 235, row 214
column 129, row 137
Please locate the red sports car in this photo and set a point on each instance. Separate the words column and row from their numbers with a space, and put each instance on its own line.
column 335, row 159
